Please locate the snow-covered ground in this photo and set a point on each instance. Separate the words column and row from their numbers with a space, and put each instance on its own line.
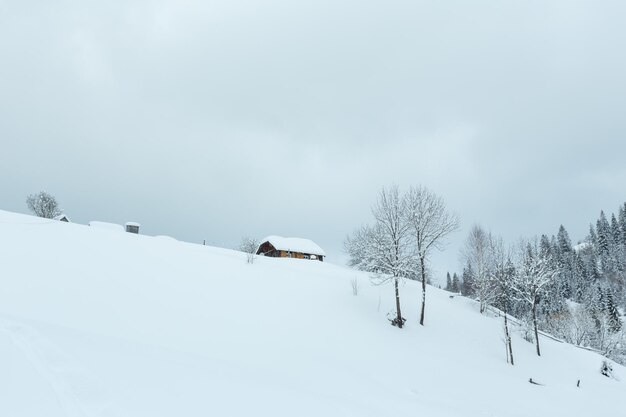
column 97, row 322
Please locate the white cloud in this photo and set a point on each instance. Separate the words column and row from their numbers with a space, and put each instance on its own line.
column 223, row 118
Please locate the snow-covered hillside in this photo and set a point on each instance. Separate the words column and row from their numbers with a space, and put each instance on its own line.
column 96, row 322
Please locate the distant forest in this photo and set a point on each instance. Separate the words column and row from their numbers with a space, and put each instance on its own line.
column 574, row 292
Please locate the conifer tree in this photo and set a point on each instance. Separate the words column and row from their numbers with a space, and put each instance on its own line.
column 604, row 234
column 593, row 302
column 468, row 281
column 616, row 231
column 545, row 246
column 456, row 287
column 563, row 240
column 622, row 223
column 610, row 309
column 593, row 237
column 593, row 272
column 564, row 257
column 448, row 282
column 580, row 278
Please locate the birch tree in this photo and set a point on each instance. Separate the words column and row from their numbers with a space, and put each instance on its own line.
column 430, row 223
column 534, row 275
column 503, row 273
column 384, row 248
column 477, row 256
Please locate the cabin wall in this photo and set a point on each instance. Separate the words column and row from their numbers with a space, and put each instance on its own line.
column 297, row 255
column 269, row 251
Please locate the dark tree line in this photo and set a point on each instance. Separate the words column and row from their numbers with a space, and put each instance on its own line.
column 574, row 292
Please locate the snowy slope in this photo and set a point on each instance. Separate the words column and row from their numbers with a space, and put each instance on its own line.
column 96, row 322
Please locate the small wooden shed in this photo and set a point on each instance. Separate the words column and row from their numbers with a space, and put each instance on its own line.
column 132, row 227
column 290, row 247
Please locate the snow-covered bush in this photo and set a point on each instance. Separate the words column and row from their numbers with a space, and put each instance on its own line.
column 43, row 205
column 527, row 330
column 606, row 369
column 249, row 245
column 397, row 322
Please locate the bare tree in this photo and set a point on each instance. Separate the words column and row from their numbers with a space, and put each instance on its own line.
column 393, row 239
column 384, row 249
column 477, row 256
column 503, row 273
column 535, row 273
column 43, row 205
column 430, row 223
column 249, row 246
column 358, row 246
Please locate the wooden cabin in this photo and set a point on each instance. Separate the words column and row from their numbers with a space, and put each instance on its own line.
column 290, row 247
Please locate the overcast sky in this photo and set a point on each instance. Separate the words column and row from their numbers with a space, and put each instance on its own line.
column 213, row 120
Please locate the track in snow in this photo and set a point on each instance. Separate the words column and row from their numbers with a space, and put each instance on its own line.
column 79, row 394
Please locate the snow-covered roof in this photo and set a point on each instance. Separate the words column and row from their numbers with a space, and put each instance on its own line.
column 105, row 225
column 133, row 224
column 61, row 217
column 294, row 244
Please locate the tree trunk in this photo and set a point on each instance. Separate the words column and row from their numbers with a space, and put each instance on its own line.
column 534, row 309
column 507, row 336
column 423, row 268
column 398, row 312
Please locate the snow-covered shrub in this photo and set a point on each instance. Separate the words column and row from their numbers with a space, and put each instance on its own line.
column 606, row 369
column 394, row 320
column 43, row 205
column 581, row 327
column 527, row 330
column 559, row 324
column 249, row 246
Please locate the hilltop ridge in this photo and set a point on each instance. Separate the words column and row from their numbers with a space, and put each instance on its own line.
column 96, row 322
